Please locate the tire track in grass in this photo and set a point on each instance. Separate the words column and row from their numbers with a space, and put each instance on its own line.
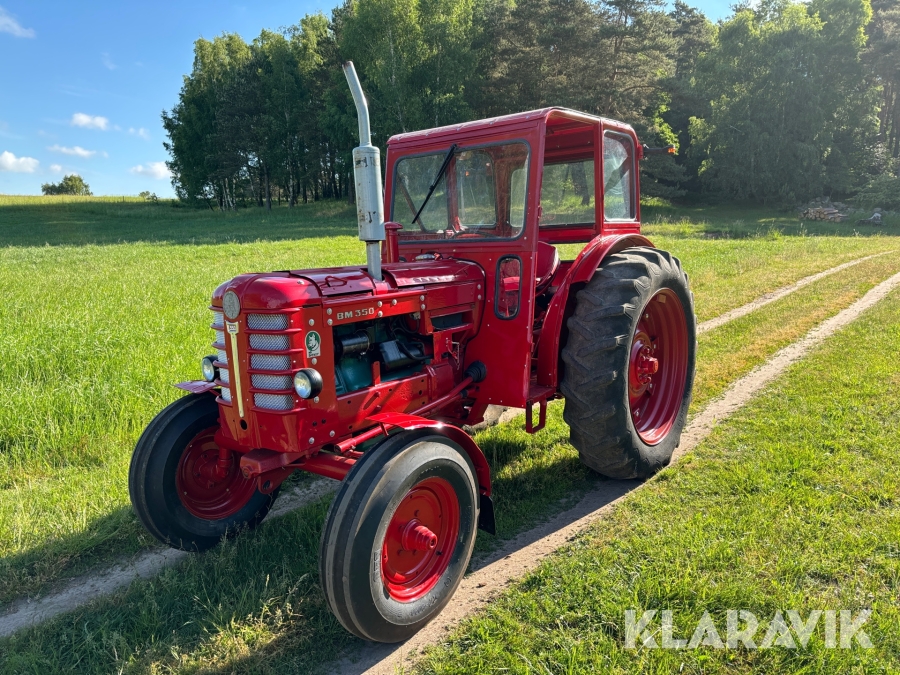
column 88, row 587
column 506, row 562
column 771, row 297
column 522, row 554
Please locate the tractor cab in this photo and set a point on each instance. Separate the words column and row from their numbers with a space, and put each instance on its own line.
column 505, row 193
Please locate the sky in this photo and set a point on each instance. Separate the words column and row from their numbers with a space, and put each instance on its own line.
column 82, row 84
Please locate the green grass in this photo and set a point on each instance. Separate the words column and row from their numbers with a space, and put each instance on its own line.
column 792, row 504
column 97, row 332
column 253, row 604
column 78, row 221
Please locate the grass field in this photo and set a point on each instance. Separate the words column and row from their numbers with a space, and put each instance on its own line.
column 106, row 304
column 790, row 505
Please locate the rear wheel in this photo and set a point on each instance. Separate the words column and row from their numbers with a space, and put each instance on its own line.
column 629, row 363
column 180, row 491
column 399, row 535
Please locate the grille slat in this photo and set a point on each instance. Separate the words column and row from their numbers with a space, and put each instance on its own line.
column 270, row 343
column 267, row 321
column 273, row 401
column 270, row 362
column 271, row 381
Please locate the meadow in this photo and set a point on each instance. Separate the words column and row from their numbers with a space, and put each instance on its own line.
column 106, row 306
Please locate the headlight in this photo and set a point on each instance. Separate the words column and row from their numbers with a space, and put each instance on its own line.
column 209, row 370
column 307, row 383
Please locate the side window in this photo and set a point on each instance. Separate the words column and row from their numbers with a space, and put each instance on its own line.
column 567, row 194
column 509, row 287
column 475, row 188
column 618, row 177
column 517, row 185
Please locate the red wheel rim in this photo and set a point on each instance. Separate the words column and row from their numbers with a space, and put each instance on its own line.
column 206, row 489
column 420, row 539
column 657, row 367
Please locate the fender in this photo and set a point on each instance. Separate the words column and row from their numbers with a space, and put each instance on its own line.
column 561, row 306
column 486, row 520
column 455, row 434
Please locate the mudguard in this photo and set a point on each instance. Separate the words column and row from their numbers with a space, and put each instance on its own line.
column 562, row 305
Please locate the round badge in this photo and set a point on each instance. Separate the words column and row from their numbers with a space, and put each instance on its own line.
column 231, row 304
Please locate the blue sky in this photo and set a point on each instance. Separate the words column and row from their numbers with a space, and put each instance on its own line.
column 82, row 84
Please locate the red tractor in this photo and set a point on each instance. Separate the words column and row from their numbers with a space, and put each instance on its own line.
column 366, row 374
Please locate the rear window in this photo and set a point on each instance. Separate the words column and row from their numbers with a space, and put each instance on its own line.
column 567, row 194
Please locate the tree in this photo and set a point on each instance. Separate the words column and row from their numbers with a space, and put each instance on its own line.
column 787, row 114
column 70, row 185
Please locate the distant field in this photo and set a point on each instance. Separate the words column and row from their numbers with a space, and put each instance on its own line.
column 105, row 305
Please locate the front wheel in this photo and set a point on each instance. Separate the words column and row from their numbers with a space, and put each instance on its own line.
column 399, row 535
column 181, row 491
column 629, row 363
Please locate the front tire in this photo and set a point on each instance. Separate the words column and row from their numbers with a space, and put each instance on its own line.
column 399, row 535
column 629, row 363
column 174, row 489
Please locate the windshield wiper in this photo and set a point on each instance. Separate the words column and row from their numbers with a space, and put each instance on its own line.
column 437, row 179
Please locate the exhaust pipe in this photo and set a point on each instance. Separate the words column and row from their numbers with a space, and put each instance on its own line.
column 367, row 175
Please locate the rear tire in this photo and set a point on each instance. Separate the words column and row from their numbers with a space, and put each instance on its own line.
column 378, row 585
column 171, row 493
column 629, row 363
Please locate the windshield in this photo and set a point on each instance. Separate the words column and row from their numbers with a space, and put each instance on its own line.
column 480, row 195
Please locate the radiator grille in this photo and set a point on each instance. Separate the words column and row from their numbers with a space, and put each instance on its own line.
column 267, row 321
column 218, row 320
column 269, row 343
column 220, row 339
column 221, row 356
column 273, row 382
column 274, row 401
column 270, row 362
column 225, row 376
column 226, row 394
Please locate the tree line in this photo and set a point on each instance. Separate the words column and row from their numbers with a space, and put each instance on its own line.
column 781, row 102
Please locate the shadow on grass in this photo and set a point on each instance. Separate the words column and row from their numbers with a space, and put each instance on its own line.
column 253, row 604
column 104, row 540
column 739, row 221
column 104, row 223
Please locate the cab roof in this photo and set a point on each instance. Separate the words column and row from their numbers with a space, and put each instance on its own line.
column 543, row 117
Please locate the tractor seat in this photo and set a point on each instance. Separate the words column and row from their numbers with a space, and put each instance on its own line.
column 547, row 264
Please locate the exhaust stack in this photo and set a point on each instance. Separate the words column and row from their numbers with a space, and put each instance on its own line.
column 367, row 175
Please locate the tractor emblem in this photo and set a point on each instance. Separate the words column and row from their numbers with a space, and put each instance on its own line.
column 313, row 343
column 231, row 305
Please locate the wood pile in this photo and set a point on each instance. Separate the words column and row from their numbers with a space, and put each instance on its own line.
column 831, row 215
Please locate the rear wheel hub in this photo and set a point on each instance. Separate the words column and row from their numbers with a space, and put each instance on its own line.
column 657, row 367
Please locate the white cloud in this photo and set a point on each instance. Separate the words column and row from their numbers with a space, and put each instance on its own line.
column 107, row 61
column 77, row 151
column 9, row 162
column 142, row 132
column 89, row 121
column 157, row 170
column 8, row 24
column 56, row 168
